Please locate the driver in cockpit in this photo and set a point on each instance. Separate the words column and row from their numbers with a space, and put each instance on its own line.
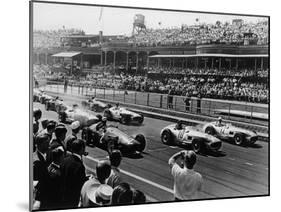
column 179, row 125
column 219, row 122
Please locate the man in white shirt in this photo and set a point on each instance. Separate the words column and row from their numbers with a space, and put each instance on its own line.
column 187, row 182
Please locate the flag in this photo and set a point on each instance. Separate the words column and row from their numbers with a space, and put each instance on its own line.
column 101, row 10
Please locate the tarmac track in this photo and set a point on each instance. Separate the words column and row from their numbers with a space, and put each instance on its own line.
column 235, row 172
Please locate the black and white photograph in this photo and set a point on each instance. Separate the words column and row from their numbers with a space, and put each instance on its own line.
column 133, row 105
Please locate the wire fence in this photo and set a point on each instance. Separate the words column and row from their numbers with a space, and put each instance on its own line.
column 231, row 110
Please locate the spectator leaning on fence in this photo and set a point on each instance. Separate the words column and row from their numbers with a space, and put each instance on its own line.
column 187, row 182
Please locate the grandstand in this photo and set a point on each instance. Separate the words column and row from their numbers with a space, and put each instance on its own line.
column 219, row 60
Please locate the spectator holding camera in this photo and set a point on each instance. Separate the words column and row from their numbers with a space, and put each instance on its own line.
column 187, row 182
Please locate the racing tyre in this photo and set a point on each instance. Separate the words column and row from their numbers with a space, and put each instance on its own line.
column 210, row 130
column 142, row 142
column 167, row 137
column 62, row 117
column 95, row 108
column 124, row 120
column 107, row 114
column 198, row 146
column 238, row 139
column 141, row 120
column 47, row 106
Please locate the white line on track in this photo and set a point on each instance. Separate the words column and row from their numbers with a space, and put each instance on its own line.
column 250, row 164
column 139, row 178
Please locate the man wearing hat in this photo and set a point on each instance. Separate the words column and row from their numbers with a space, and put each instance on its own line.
column 103, row 170
column 187, row 182
column 98, row 195
column 219, row 122
column 75, row 127
column 49, row 127
column 40, row 171
column 60, row 133
column 73, row 175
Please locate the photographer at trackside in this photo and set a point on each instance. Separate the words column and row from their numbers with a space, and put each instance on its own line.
column 187, row 182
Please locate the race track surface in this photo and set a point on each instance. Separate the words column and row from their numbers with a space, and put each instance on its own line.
column 236, row 171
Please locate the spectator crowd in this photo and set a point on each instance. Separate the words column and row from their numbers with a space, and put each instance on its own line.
column 60, row 179
column 199, row 34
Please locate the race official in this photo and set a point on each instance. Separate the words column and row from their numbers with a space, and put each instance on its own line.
column 60, row 133
column 187, row 182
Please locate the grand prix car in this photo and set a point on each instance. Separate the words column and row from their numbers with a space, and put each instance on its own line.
column 112, row 138
column 190, row 136
column 71, row 114
column 55, row 104
column 95, row 105
column 36, row 95
column 43, row 98
column 123, row 115
column 229, row 132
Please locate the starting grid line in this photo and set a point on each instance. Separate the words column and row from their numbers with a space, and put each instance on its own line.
column 138, row 178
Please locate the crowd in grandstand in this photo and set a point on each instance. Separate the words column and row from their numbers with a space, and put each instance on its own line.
column 52, row 38
column 219, row 33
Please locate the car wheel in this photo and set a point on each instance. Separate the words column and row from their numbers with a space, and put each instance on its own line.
column 46, row 106
column 210, row 130
column 107, row 114
column 167, row 137
column 238, row 139
column 197, row 146
column 84, row 134
column 124, row 120
column 95, row 108
column 62, row 117
column 142, row 142
column 141, row 120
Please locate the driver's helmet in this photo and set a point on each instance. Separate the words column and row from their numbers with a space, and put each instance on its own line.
column 219, row 120
column 99, row 117
column 117, row 104
column 179, row 125
column 104, row 119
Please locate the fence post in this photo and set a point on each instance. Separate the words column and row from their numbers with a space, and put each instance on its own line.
column 124, row 95
column 57, row 88
column 95, row 91
column 175, row 102
column 251, row 113
column 210, row 107
column 147, row 103
column 113, row 93
column 229, row 107
column 161, row 100
column 104, row 93
column 135, row 97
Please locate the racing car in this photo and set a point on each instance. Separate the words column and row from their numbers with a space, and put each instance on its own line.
column 94, row 105
column 43, row 98
column 36, row 95
column 112, row 138
column 226, row 131
column 70, row 114
column 55, row 104
column 123, row 115
column 190, row 136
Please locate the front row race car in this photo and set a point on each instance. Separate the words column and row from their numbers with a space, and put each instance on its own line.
column 179, row 134
column 123, row 115
column 95, row 105
column 111, row 137
column 229, row 132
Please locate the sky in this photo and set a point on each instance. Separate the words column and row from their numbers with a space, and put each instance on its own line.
column 116, row 21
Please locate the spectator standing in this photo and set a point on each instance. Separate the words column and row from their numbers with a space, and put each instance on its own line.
column 187, row 182
column 103, row 170
column 170, row 99
column 55, row 179
column 40, row 172
column 187, row 102
column 138, row 197
column 60, row 133
column 73, row 175
column 115, row 159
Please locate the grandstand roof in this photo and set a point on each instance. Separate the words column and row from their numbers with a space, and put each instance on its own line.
column 207, row 55
column 66, row 54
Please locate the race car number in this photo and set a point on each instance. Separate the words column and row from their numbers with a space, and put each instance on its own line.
column 180, row 135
